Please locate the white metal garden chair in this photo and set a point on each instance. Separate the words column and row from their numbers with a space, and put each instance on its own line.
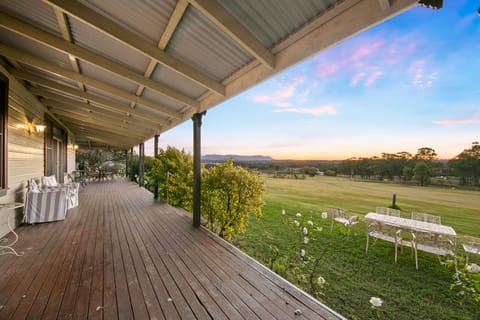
column 342, row 216
column 388, row 211
column 471, row 245
column 440, row 245
column 421, row 216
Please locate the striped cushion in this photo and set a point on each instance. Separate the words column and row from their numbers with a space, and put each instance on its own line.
column 45, row 206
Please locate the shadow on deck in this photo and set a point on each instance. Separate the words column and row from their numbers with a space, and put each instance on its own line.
column 121, row 255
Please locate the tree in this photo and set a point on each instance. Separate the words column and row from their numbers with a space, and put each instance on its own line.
column 467, row 165
column 229, row 195
column 422, row 173
column 172, row 171
column 426, row 154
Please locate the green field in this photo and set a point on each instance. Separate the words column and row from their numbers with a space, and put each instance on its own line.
column 353, row 277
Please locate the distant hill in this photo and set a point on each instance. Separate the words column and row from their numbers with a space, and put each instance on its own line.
column 223, row 158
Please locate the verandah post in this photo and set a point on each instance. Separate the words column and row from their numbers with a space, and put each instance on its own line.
column 141, row 167
column 197, row 174
column 155, row 154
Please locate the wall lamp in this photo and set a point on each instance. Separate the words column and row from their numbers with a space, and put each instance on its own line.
column 32, row 128
column 72, row 146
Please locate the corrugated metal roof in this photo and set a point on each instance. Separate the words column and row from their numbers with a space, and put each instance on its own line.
column 146, row 18
column 161, row 99
column 273, row 20
column 176, row 81
column 204, row 65
column 96, row 41
column 151, row 111
column 107, row 77
column 201, row 44
column 107, row 95
column 36, row 12
column 48, row 75
column 31, row 47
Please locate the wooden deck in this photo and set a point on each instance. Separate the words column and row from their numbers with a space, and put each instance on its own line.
column 121, row 255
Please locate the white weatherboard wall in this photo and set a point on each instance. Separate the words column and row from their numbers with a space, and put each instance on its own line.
column 25, row 151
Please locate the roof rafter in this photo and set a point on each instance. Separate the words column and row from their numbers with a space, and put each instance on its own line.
column 47, row 66
column 56, row 106
column 84, row 95
column 235, row 30
column 59, row 101
column 107, row 125
column 91, row 127
column 165, row 38
column 73, row 51
column 127, row 37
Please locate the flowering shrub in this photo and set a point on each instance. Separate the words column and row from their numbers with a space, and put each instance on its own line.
column 466, row 279
column 299, row 263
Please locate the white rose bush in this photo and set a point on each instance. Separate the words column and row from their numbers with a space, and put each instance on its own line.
column 300, row 263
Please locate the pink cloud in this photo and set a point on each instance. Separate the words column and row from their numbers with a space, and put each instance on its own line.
column 373, row 77
column 357, row 78
column 280, row 97
column 458, row 121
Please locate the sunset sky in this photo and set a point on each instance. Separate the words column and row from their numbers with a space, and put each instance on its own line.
column 411, row 82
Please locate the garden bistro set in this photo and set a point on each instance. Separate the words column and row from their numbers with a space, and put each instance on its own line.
column 422, row 232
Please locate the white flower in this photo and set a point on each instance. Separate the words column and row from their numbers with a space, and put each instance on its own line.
column 296, row 223
column 302, row 253
column 319, row 229
column 473, row 268
column 324, row 215
column 298, row 214
column 283, row 212
column 321, row 281
column 305, row 230
column 310, row 222
column 305, row 240
column 376, row 302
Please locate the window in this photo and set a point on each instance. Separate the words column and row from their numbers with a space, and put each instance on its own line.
column 3, row 133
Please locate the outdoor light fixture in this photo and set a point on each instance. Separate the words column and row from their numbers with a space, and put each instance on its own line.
column 32, row 128
column 40, row 128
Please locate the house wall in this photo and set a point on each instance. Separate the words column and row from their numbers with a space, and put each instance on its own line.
column 25, row 150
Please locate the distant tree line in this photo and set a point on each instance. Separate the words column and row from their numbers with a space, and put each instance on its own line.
column 401, row 166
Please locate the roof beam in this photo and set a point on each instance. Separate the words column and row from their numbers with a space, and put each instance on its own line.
column 73, row 51
column 172, row 24
column 59, row 101
column 384, row 4
column 115, row 129
column 127, row 37
column 47, row 66
column 84, row 95
column 235, row 30
column 94, row 126
column 110, row 140
column 107, row 118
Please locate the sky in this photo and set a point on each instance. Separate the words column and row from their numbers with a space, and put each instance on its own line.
column 410, row 82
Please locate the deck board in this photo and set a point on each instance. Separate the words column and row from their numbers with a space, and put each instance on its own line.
column 122, row 255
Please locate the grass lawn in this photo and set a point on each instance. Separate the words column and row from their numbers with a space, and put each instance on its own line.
column 352, row 277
